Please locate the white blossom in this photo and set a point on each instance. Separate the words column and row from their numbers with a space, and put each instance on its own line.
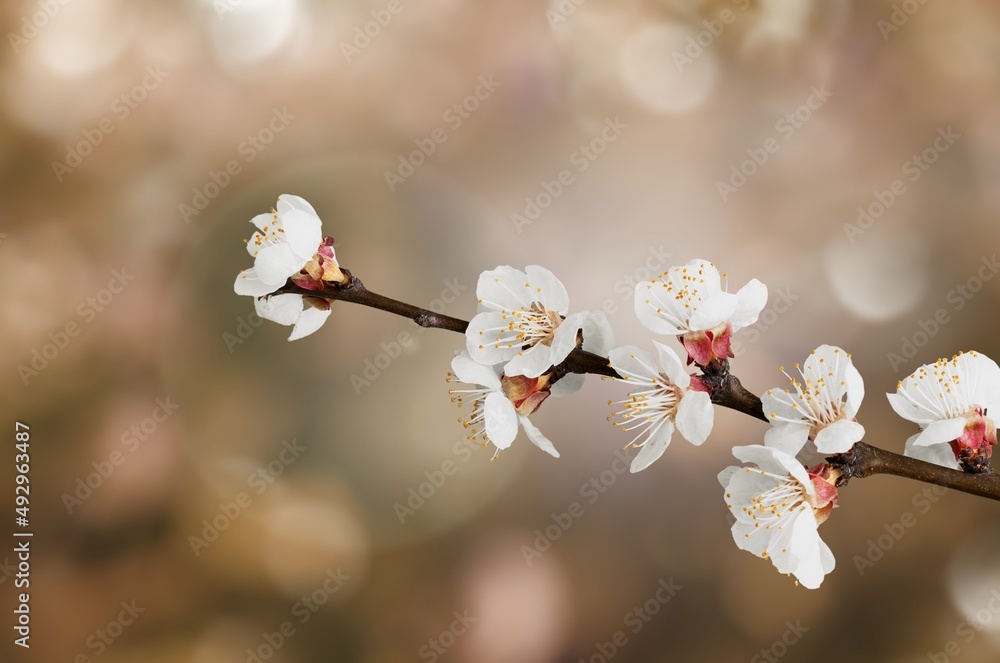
column 778, row 505
column 523, row 321
column 498, row 403
column 661, row 399
column 822, row 408
column 689, row 301
column 954, row 401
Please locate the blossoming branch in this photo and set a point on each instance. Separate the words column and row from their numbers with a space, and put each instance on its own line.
column 524, row 345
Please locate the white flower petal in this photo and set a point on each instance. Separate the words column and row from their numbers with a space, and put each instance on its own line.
column 646, row 310
column 826, row 557
column 277, row 262
column 288, row 202
column 938, row 432
column 779, row 405
column 598, row 337
column 567, row 385
column 283, row 309
column 786, row 545
column 253, row 248
column 855, row 389
column 788, row 437
column 825, row 365
column 653, row 447
column 695, row 417
column 530, row 363
column 312, row 318
column 472, row 372
column 709, row 280
column 249, row 283
column 547, row 289
column 805, row 546
column 839, row 437
column 726, row 475
column 775, row 461
column 564, row 338
column 503, row 288
column 752, row 298
column 713, row 311
column 750, row 536
column 631, row 361
column 538, row 439
column 501, row 420
column 672, row 366
column 744, row 487
column 939, row 454
column 303, row 233
column 984, row 381
column 262, row 220
column 480, row 339
column 910, row 411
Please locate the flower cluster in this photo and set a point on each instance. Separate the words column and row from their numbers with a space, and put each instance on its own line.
column 688, row 302
column 780, row 501
column 515, row 347
column 289, row 244
column 950, row 400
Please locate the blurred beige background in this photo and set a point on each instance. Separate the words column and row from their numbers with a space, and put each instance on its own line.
column 138, row 138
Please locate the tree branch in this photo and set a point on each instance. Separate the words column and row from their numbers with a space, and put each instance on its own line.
column 726, row 390
column 355, row 292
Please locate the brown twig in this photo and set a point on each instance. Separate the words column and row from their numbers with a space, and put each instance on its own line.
column 862, row 461
column 355, row 292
